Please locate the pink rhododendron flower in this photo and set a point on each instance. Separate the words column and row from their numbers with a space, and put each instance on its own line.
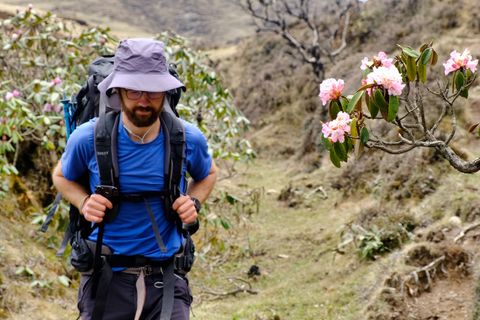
column 56, row 81
column 14, row 36
column 380, row 60
column 47, row 107
column 331, row 89
column 335, row 130
column 383, row 59
column 389, row 78
column 366, row 63
column 13, row 94
column 458, row 61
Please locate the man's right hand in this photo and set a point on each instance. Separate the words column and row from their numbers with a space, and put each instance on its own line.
column 94, row 208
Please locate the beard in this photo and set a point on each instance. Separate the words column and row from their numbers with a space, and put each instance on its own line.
column 141, row 116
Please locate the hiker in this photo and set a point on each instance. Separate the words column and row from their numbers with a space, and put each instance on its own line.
column 138, row 245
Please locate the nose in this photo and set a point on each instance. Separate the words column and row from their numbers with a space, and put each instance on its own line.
column 143, row 100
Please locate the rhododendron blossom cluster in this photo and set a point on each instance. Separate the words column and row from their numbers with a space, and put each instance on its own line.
column 458, row 61
column 335, row 130
column 13, row 94
column 380, row 60
column 389, row 78
column 331, row 89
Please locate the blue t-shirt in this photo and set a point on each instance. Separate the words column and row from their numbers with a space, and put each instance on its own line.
column 141, row 168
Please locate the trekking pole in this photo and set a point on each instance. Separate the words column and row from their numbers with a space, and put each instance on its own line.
column 68, row 111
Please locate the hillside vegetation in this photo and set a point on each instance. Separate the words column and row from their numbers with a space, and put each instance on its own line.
column 380, row 238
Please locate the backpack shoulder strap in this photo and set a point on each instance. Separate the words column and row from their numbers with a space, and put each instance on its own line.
column 106, row 131
column 174, row 133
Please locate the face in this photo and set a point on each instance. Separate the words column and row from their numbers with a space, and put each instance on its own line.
column 141, row 108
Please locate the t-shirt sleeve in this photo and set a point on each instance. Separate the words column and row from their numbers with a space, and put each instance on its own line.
column 199, row 160
column 78, row 152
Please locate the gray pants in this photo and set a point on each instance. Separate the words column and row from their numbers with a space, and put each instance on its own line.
column 121, row 301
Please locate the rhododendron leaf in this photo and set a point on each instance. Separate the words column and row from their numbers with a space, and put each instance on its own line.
column 353, row 128
column 348, row 145
column 334, row 159
column 372, row 107
column 469, row 74
column 459, row 80
column 340, row 151
column 366, row 86
column 422, row 72
column 411, row 52
column 333, row 109
column 327, row 143
column 426, row 56
column 344, row 103
column 381, row 103
column 393, row 104
column 411, row 68
column 473, row 127
column 464, row 93
column 434, row 57
column 364, row 135
column 357, row 97
column 423, row 47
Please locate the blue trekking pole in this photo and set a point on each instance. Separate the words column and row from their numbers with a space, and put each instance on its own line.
column 69, row 107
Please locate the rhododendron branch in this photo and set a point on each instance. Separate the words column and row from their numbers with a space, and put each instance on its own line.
column 381, row 146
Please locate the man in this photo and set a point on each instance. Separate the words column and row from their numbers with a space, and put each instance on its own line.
column 141, row 80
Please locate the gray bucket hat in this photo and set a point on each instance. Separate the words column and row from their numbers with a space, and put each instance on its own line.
column 140, row 64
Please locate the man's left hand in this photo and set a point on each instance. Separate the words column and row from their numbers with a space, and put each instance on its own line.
column 185, row 207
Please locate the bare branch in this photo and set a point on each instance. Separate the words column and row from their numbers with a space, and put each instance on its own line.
column 281, row 16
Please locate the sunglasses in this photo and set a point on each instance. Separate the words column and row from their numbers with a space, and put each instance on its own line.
column 136, row 94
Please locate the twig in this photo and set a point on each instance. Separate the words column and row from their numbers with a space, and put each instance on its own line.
column 245, row 287
column 464, row 232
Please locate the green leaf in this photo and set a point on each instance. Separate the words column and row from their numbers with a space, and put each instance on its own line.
column 333, row 109
column 340, row 151
column 353, row 102
column 464, row 93
column 334, row 159
column 426, row 56
column 411, row 52
column 327, row 143
column 393, row 104
column 344, row 102
column 411, row 68
column 381, row 103
column 231, row 199
column 353, row 128
column 422, row 72
column 364, row 135
column 372, row 107
column 459, row 80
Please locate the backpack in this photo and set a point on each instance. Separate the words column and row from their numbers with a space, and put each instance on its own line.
column 86, row 105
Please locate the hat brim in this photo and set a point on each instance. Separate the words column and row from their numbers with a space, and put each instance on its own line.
column 153, row 82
